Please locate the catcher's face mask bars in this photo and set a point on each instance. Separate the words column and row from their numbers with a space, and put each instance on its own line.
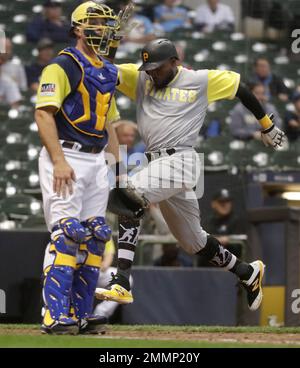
column 101, row 30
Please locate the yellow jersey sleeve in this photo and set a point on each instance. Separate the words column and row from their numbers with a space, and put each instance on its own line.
column 54, row 87
column 110, row 247
column 222, row 85
column 128, row 80
column 113, row 113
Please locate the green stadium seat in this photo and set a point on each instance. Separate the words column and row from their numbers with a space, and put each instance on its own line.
column 239, row 159
column 24, row 180
column 219, row 143
column 261, row 160
column 285, row 160
column 34, row 222
column 33, row 138
column 32, row 165
column 16, row 151
column 257, row 146
column 215, row 159
column 3, row 185
column 20, row 207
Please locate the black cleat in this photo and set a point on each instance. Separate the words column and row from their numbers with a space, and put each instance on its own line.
column 63, row 326
column 94, row 325
column 253, row 285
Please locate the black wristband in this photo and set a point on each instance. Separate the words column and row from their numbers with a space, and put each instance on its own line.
column 268, row 129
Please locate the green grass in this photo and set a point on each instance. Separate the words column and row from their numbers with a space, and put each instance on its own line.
column 88, row 342
column 163, row 328
column 11, row 337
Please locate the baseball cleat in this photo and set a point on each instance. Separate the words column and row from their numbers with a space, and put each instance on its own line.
column 93, row 325
column 118, row 290
column 64, row 326
column 116, row 293
column 253, row 285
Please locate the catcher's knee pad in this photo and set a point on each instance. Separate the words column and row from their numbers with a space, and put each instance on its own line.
column 86, row 276
column 98, row 228
column 65, row 240
column 72, row 228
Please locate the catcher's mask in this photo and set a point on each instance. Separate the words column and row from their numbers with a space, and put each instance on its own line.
column 99, row 24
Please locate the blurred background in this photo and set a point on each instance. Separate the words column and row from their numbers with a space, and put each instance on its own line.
column 252, row 194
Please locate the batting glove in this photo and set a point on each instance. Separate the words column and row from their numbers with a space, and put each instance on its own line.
column 273, row 136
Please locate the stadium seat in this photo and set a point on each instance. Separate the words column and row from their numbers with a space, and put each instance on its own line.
column 33, row 138
column 24, row 180
column 258, row 146
column 215, row 159
column 2, row 188
column 20, row 207
column 34, row 222
column 220, row 143
column 285, row 160
column 240, row 160
column 16, row 151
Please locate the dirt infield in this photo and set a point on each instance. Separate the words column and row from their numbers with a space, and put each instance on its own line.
column 212, row 337
column 162, row 333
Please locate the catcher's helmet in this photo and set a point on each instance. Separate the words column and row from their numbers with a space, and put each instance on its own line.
column 99, row 23
column 157, row 52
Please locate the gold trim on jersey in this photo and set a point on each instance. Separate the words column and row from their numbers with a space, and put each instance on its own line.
column 97, row 63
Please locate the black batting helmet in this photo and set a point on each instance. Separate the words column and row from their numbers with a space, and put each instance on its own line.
column 157, row 52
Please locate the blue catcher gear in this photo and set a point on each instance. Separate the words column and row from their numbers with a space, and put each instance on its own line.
column 65, row 325
column 65, row 241
column 99, row 228
column 73, row 229
column 86, row 276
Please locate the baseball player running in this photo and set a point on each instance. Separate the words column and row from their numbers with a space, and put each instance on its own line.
column 74, row 109
column 171, row 106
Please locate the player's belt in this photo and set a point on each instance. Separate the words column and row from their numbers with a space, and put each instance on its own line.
column 156, row 154
column 79, row 147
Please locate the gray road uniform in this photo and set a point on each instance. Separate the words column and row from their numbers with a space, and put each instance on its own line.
column 169, row 121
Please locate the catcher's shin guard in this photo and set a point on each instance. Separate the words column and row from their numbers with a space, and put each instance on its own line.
column 86, row 276
column 99, row 229
column 60, row 269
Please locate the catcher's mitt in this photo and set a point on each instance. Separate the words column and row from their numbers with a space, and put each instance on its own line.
column 127, row 202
